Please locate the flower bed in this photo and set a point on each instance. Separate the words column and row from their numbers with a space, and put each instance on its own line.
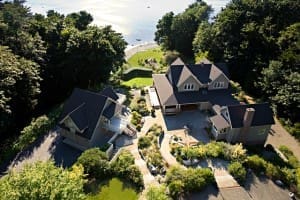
column 149, row 150
column 223, row 150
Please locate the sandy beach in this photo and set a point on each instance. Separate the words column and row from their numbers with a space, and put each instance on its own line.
column 131, row 50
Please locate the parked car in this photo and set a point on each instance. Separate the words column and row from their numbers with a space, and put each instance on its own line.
column 279, row 183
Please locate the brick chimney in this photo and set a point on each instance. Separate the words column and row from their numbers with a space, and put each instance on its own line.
column 247, row 121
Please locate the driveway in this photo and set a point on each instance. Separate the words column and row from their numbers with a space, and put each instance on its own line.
column 279, row 136
column 263, row 188
column 49, row 146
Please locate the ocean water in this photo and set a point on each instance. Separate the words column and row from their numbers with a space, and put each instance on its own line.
column 135, row 19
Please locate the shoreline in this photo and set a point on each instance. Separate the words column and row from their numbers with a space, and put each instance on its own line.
column 131, row 50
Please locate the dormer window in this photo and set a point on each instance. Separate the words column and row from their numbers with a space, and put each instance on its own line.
column 219, row 85
column 188, row 86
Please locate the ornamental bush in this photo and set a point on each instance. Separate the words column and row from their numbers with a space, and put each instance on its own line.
column 237, row 170
column 144, row 142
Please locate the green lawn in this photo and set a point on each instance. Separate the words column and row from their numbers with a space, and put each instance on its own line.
column 114, row 190
column 155, row 53
column 138, row 82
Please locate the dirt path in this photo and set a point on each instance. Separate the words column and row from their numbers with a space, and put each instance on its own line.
column 279, row 136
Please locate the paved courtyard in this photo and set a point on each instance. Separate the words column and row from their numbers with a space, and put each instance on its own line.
column 195, row 120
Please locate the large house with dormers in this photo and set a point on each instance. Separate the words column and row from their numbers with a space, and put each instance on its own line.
column 206, row 86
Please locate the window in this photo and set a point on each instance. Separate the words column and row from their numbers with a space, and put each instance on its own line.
column 219, row 85
column 189, row 86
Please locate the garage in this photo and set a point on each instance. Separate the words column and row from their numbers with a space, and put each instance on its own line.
column 187, row 107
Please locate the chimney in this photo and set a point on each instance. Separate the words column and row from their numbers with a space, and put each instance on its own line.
column 248, row 117
column 247, row 121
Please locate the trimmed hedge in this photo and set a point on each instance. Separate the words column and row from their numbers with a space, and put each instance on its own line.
column 136, row 72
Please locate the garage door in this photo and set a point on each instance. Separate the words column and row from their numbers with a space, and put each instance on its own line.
column 189, row 107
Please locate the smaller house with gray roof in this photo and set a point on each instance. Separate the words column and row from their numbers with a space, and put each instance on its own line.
column 249, row 124
column 92, row 119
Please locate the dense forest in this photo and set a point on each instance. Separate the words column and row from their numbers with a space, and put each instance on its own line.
column 259, row 40
column 42, row 58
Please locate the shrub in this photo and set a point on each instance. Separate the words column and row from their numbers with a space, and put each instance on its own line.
column 157, row 193
column 192, row 179
column 144, row 142
column 136, row 118
column 256, row 163
column 176, row 189
column 95, row 163
column 292, row 160
column 214, row 149
column 136, row 72
column 237, row 170
column 273, row 172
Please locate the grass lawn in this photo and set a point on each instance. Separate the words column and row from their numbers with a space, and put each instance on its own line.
column 138, row 82
column 114, row 190
column 155, row 53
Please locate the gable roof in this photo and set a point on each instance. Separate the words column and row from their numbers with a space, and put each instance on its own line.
column 84, row 108
column 184, row 75
column 205, row 72
column 168, row 95
column 263, row 114
column 109, row 92
column 178, row 61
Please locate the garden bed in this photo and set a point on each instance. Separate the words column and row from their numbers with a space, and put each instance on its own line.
column 148, row 146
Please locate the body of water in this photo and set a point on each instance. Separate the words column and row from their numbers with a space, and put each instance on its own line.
column 135, row 19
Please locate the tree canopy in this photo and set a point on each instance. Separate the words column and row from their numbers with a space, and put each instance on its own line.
column 42, row 58
column 43, row 180
column 260, row 42
column 176, row 32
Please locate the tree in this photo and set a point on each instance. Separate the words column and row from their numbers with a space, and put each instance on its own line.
column 177, row 32
column 80, row 20
column 19, row 89
column 95, row 163
column 163, row 33
column 43, row 180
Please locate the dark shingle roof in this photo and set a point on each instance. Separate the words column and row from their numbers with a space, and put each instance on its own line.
column 205, row 73
column 79, row 117
column 109, row 92
column 84, row 108
column 263, row 114
column 170, row 96
column 110, row 111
